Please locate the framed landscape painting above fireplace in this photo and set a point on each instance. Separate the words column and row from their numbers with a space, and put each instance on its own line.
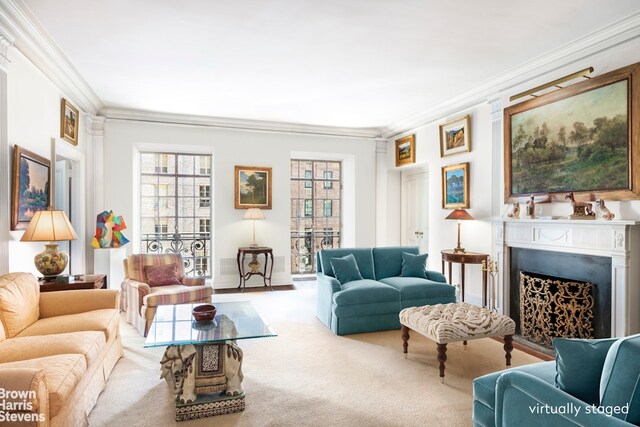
column 578, row 139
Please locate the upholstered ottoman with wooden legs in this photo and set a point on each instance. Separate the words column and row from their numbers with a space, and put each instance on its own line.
column 445, row 323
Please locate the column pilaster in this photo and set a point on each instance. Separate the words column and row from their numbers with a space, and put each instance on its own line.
column 6, row 42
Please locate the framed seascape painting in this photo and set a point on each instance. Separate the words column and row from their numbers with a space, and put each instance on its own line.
column 581, row 139
column 455, row 137
column 406, row 150
column 69, row 122
column 252, row 187
column 455, row 186
column 30, row 192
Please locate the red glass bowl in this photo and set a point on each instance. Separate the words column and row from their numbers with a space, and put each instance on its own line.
column 204, row 312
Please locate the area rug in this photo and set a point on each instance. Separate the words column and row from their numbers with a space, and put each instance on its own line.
column 306, row 376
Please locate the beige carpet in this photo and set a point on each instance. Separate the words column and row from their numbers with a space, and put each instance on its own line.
column 309, row 377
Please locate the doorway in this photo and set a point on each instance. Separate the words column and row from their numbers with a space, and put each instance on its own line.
column 63, row 196
column 415, row 209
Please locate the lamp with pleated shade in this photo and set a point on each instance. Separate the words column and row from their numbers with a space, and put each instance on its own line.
column 460, row 215
column 254, row 214
column 50, row 226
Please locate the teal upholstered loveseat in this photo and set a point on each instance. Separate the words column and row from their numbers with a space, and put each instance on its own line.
column 605, row 390
column 373, row 303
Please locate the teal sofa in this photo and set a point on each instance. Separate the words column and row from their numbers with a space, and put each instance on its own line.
column 374, row 303
column 606, row 377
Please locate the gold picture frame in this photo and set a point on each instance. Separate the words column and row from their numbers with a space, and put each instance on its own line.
column 406, row 150
column 455, row 186
column 252, row 187
column 455, row 137
column 30, row 188
column 69, row 119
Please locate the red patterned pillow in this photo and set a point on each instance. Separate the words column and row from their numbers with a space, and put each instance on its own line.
column 162, row 275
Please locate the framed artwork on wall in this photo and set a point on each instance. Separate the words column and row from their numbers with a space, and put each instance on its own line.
column 30, row 192
column 455, row 186
column 406, row 150
column 252, row 187
column 455, row 137
column 582, row 139
column 69, row 122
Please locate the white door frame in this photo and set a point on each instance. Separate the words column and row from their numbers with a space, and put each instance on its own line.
column 403, row 200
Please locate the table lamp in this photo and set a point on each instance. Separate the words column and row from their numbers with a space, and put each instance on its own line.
column 460, row 215
column 50, row 226
column 254, row 214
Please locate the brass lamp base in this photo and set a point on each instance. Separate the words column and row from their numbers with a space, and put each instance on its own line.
column 459, row 249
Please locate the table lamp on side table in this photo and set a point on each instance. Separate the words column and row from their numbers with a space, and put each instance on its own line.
column 460, row 215
column 254, row 214
column 50, row 226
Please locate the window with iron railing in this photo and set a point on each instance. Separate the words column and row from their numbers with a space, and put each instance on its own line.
column 175, row 208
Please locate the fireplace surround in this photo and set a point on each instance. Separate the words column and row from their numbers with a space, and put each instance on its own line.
column 616, row 241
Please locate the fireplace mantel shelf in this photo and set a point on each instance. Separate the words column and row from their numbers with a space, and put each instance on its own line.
column 562, row 220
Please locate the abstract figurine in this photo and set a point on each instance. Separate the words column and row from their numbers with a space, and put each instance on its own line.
column 109, row 231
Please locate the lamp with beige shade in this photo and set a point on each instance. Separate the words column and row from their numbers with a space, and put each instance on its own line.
column 460, row 215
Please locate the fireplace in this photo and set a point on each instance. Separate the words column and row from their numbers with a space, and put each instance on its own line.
column 602, row 253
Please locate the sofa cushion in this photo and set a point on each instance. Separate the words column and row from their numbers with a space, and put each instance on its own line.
column 162, row 275
column 136, row 263
column 416, row 288
column 414, row 265
column 484, row 388
column 370, row 309
column 176, row 294
column 63, row 373
column 388, row 261
column 365, row 292
column 363, row 256
column 620, row 377
column 579, row 366
column 88, row 343
column 345, row 269
column 19, row 302
column 105, row 320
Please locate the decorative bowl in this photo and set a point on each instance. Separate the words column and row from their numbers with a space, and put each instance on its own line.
column 204, row 312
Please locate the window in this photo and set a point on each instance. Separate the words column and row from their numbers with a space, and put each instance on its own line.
column 328, row 175
column 328, row 208
column 308, row 207
column 308, row 175
column 175, row 208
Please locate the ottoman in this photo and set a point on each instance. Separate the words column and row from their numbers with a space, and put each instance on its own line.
column 445, row 323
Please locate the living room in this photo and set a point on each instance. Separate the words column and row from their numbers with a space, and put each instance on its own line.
column 369, row 87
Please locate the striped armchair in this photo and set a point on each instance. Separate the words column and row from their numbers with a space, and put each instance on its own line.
column 140, row 300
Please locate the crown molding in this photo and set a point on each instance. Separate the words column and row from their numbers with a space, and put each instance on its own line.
column 617, row 33
column 128, row 114
column 34, row 42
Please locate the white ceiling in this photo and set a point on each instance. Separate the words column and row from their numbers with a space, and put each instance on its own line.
column 348, row 63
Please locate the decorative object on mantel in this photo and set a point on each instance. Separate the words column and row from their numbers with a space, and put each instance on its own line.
column 460, row 215
column 531, row 208
column 602, row 212
column 455, row 186
column 253, row 214
column 581, row 210
column 109, row 231
column 252, row 187
column 514, row 211
column 406, row 150
column 491, row 267
column 455, row 137
column 577, row 139
column 30, row 189
column 69, row 119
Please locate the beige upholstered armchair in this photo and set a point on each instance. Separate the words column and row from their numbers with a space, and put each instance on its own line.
column 158, row 279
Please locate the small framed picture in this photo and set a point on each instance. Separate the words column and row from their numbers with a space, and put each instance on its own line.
column 455, row 186
column 69, row 122
column 406, row 150
column 252, row 187
column 30, row 192
column 455, row 137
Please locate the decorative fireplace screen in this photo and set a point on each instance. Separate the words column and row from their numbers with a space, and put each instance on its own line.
column 552, row 307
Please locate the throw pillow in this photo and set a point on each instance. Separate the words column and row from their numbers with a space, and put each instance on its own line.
column 414, row 265
column 579, row 366
column 162, row 275
column 620, row 376
column 346, row 269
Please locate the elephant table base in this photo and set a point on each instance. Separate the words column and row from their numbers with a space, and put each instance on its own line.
column 205, row 378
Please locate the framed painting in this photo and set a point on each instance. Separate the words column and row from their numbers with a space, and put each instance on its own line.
column 581, row 139
column 455, row 137
column 455, row 186
column 252, row 187
column 69, row 122
column 406, row 150
column 30, row 192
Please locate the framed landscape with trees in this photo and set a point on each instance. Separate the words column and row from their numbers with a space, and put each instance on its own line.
column 580, row 139
column 252, row 187
column 30, row 191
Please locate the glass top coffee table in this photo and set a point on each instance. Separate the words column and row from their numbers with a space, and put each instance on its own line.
column 202, row 363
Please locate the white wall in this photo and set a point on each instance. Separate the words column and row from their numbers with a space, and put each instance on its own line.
column 477, row 235
column 33, row 108
column 124, row 139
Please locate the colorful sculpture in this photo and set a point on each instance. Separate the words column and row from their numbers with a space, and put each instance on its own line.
column 108, row 231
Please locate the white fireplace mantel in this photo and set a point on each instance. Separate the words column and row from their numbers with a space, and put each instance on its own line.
column 617, row 239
